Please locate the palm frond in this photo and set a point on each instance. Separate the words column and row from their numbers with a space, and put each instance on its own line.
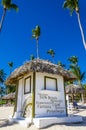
column 51, row 52
column 2, row 75
column 73, row 60
column 33, row 36
column 6, row 2
column 36, row 32
column 10, row 64
column 33, row 31
column 14, row 6
column 72, row 5
column 82, row 76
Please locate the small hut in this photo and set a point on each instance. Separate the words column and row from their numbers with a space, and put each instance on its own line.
column 40, row 89
column 9, row 98
column 75, row 92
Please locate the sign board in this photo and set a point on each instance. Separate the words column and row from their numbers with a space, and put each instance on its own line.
column 50, row 103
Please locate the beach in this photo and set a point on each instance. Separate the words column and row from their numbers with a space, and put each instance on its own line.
column 7, row 111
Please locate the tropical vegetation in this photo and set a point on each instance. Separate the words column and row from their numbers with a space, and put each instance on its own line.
column 36, row 34
column 10, row 64
column 2, row 79
column 32, row 57
column 2, row 76
column 52, row 53
column 75, row 68
column 2, row 91
column 61, row 64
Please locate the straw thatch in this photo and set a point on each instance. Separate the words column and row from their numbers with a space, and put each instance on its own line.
column 39, row 66
column 9, row 96
column 74, row 89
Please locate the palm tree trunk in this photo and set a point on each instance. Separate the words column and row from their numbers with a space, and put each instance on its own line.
column 37, row 48
column 2, row 19
column 53, row 59
column 81, row 29
column 79, row 83
column 10, row 70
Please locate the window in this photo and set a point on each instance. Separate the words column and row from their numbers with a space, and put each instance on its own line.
column 50, row 83
column 27, row 86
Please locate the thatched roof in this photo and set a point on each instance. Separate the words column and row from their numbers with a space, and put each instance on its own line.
column 39, row 66
column 9, row 96
column 73, row 89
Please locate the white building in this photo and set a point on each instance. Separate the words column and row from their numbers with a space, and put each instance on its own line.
column 40, row 89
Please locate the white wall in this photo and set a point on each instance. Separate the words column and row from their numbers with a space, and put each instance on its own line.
column 40, row 81
column 20, row 93
column 25, row 96
column 60, row 93
column 39, row 85
column 21, row 96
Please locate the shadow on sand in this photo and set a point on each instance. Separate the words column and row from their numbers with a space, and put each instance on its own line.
column 5, row 123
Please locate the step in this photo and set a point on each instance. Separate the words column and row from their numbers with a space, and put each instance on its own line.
column 44, row 122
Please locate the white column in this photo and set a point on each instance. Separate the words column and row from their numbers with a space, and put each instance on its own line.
column 82, row 95
column 18, row 113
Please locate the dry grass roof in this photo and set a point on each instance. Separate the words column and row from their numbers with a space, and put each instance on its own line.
column 9, row 96
column 39, row 65
column 73, row 89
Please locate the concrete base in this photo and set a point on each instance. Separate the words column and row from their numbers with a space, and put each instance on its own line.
column 26, row 122
column 44, row 122
column 17, row 114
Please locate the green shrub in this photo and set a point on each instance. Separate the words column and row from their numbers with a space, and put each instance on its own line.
column 2, row 102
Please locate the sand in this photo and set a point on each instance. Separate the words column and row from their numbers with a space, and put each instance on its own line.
column 6, row 111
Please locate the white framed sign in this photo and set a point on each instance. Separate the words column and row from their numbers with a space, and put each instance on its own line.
column 50, row 103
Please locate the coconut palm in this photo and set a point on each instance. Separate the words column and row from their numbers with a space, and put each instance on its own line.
column 73, row 5
column 51, row 52
column 76, row 69
column 36, row 34
column 61, row 64
column 73, row 60
column 80, row 75
column 2, row 91
column 84, row 86
column 10, row 89
column 2, row 76
column 7, row 5
column 2, row 79
column 11, row 66
column 32, row 57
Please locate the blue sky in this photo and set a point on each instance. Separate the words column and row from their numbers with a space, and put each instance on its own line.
column 59, row 31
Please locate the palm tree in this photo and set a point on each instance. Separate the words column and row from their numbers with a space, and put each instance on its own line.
column 52, row 53
column 11, row 66
column 7, row 5
column 80, row 75
column 61, row 64
column 2, row 76
column 2, row 79
column 32, row 57
column 2, row 91
column 36, row 34
column 84, row 86
column 73, row 60
column 73, row 5
column 76, row 69
column 10, row 89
